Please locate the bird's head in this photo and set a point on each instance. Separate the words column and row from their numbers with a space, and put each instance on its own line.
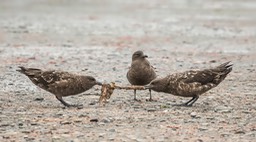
column 138, row 55
column 158, row 85
column 92, row 81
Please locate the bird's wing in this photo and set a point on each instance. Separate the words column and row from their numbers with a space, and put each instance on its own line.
column 213, row 75
column 61, row 82
column 64, row 83
column 202, row 76
column 53, row 77
column 193, row 88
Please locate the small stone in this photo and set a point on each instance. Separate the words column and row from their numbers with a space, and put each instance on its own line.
column 33, row 124
column 94, row 120
column 151, row 109
column 222, row 109
column 26, row 131
column 106, row 120
column 87, row 126
column 239, row 132
column 39, row 99
column 225, row 134
column 92, row 103
column 65, row 122
column 193, row 114
column 6, row 137
column 20, row 124
column 66, row 135
column 202, row 129
column 80, row 107
column 77, row 121
column 83, row 115
column 101, row 123
column 102, row 135
column 55, row 137
column 111, row 139
column 112, row 130
column 4, row 125
column 164, row 106
column 213, row 61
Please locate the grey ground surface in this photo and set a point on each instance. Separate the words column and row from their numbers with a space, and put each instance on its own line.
column 97, row 38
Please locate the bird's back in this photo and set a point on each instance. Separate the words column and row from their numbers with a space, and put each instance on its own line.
column 213, row 75
column 192, row 82
column 56, row 82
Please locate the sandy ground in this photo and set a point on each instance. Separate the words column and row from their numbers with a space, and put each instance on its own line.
column 98, row 38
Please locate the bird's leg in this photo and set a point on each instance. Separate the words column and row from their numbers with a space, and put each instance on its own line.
column 135, row 99
column 65, row 103
column 150, row 97
column 191, row 102
column 188, row 103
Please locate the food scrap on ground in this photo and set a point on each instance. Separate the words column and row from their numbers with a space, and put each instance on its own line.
column 108, row 89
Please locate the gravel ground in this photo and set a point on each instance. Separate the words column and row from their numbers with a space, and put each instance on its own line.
column 98, row 38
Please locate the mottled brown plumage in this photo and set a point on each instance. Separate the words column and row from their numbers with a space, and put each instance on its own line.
column 59, row 83
column 140, row 72
column 191, row 83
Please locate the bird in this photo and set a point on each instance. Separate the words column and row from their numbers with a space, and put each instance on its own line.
column 140, row 72
column 59, row 83
column 191, row 83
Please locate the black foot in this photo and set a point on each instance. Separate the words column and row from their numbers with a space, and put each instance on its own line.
column 189, row 103
column 136, row 100
column 183, row 105
column 151, row 100
column 79, row 106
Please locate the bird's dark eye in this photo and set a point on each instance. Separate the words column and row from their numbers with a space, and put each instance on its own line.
column 92, row 79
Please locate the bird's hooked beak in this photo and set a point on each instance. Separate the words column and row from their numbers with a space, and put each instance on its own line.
column 98, row 83
column 145, row 56
column 149, row 86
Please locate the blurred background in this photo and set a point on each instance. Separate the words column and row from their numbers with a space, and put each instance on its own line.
column 212, row 25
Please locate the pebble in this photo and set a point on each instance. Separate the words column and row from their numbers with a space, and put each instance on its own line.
column 26, row 131
column 94, row 120
column 239, row 132
column 106, row 120
column 92, row 103
column 4, row 125
column 202, row 128
column 39, row 99
column 55, row 137
column 151, row 109
column 65, row 122
column 88, row 126
column 101, row 123
column 222, row 109
column 80, row 107
column 83, row 115
column 102, row 134
column 193, row 114
column 112, row 130
column 111, row 138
